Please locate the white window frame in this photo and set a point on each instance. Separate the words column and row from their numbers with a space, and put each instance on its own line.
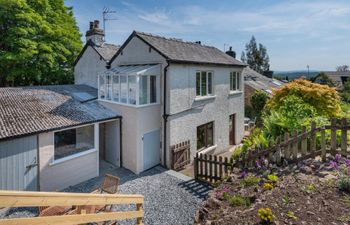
column 207, row 83
column 238, row 81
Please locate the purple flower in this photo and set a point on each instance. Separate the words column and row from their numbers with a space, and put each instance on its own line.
column 257, row 164
column 226, row 189
column 349, row 171
column 347, row 162
column 244, row 174
column 334, row 165
column 337, row 157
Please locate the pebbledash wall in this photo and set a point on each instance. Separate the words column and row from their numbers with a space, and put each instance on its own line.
column 88, row 67
column 187, row 111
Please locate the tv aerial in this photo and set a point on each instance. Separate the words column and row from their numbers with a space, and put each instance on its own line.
column 106, row 13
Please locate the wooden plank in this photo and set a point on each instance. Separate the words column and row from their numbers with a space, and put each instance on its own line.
column 303, row 141
column 278, row 150
column 139, row 219
column 313, row 137
column 295, row 145
column 205, row 167
column 200, row 165
column 195, row 166
column 333, row 136
column 220, row 166
column 343, row 142
column 216, row 168
column 323, row 145
column 225, row 166
column 286, row 149
column 33, row 199
column 210, row 168
column 73, row 219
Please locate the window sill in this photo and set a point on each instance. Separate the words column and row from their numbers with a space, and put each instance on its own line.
column 129, row 105
column 235, row 92
column 70, row 157
column 203, row 98
column 206, row 150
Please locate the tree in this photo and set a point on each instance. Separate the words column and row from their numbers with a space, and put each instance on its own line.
column 343, row 68
column 39, row 41
column 323, row 98
column 256, row 57
column 322, row 78
column 258, row 102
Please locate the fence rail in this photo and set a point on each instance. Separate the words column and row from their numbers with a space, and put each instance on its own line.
column 180, row 155
column 34, row 199
column 211, row 168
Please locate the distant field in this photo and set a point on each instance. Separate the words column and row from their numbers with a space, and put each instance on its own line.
column 294, row 74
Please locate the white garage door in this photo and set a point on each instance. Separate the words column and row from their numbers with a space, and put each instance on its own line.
column 151, row 149
column 18, row 164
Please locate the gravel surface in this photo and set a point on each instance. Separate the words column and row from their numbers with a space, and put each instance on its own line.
column 168, row 199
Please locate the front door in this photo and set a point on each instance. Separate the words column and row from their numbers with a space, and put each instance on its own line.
column 19, row 164
column 232, row 128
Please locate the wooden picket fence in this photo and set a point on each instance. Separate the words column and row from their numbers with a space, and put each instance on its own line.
column 318, row 141
column 36, row 199
column 211, row 168
column 180, row 155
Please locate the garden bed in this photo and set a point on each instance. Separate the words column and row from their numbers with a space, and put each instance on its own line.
column 303, row 193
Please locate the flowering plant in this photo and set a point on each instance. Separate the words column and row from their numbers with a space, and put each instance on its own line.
column 343, row 171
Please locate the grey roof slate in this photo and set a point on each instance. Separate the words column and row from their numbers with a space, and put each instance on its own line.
column 259, row 81
column 106, row 50
column 29, row 110
column 338, row 77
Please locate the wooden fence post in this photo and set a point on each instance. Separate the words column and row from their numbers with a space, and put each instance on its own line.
column 225, row 168
column 313, row 138
column 286, row 146
column 200, row 165
column 220, row 166
column 205, row 166
column 139, row 219
column 343, row 145
column 215, row 168
column 303, row 141
column 195, row 166
column 323, row 144
column 210, row 168
column 278, row 150
column 333, row 135
column 295, row 145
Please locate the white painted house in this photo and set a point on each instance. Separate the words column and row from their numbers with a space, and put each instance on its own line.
column 169, row 91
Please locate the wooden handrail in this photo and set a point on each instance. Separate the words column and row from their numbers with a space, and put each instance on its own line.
column 34, row 199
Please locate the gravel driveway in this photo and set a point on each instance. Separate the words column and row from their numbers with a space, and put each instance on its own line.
column 170, row 197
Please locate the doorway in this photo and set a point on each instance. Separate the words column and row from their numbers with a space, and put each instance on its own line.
column 232, row 129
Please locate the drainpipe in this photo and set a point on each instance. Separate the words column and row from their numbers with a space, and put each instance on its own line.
column 165, row 115
column 120, row 143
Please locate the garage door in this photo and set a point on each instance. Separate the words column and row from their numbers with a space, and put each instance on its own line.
column 151, row 149
column 18, row 164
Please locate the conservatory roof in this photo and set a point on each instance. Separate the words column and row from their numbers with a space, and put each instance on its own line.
column 148, row 69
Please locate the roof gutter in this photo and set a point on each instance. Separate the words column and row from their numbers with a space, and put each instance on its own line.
column 165, row 115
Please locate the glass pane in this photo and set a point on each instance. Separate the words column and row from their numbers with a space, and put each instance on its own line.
column 231, row 77
column 143, row 98
column 198, row 84
column 204, row 83
column 210, row 83
column 153, row 86
column 116, row 88
column 210, row 134
column 70, row 142
column 102, row 88
column 109, row 88
column 200, row 137
column 234, row 79
column 123, row 89
column 132, row 90
column 238, row 80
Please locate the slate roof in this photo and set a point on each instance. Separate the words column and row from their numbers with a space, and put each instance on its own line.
column 30, row 110
column 338, row 77
column 259, row 81
column 178, row 51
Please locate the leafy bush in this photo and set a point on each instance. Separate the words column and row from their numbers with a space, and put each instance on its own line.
column 250, row 181
column 238, row 200
column 272, row 178
column 266, row 216
column 344, row 184
column 258, row 101
column 323, row 98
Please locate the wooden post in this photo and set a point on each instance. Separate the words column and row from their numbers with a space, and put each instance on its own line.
column 286, row 146
column 210, row 168
column 200, row 165
column 225, row 168
column 333, row 136
column 205, row 166
column 278, row 150
column 343, row 146
column 220, row 166
column 303, row 141
column 323, row 144
column 313, row 138
column 195, row 166
column 295, row 145
column 139, row 219
column 215, row 168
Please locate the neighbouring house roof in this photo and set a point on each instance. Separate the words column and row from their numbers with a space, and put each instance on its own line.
column 178, row 51
column 338, row 77
column 30, row 110
column 259, row 81
column 106, row 51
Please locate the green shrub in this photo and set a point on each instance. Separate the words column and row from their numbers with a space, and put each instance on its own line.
column 266, row 216
column 344, row 184
column 250, row 181
column 238, row 200
column 272, row 178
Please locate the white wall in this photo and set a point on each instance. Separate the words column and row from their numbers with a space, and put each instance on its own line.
column 187, row 113
column 88, row 67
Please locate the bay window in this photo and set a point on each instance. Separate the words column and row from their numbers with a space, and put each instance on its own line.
column 129, row 89
column 235, row 81
column 204, row 83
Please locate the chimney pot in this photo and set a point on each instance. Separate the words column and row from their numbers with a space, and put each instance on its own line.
column 198, row 42
column 91, row 25
column 231, row 53
column 96, row 24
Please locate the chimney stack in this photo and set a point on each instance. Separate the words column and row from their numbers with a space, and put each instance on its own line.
column 231, row 53
column 95, row 34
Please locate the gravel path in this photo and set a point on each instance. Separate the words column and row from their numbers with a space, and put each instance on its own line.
column 168, row 199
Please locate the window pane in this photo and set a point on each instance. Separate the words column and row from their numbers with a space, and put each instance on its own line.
column 238, row 80
column 143, row 98
column 234, row 79
column 132, row 90
column 198, row 84
column 204, row 83
column 200, row 137
column 231, row 77
column 123, row 89
column 102, row 88
column 70, row 142
column 109, row 88
column 210, row 133
column 116, row 88
column 210, row 83
column 153, row 86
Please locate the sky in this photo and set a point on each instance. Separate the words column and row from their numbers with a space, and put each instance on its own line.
column 296, row 33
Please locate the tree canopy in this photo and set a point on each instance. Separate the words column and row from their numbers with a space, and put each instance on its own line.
column 322, row 78
column 342, row 68
column 256, row 56
column 39, row 41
